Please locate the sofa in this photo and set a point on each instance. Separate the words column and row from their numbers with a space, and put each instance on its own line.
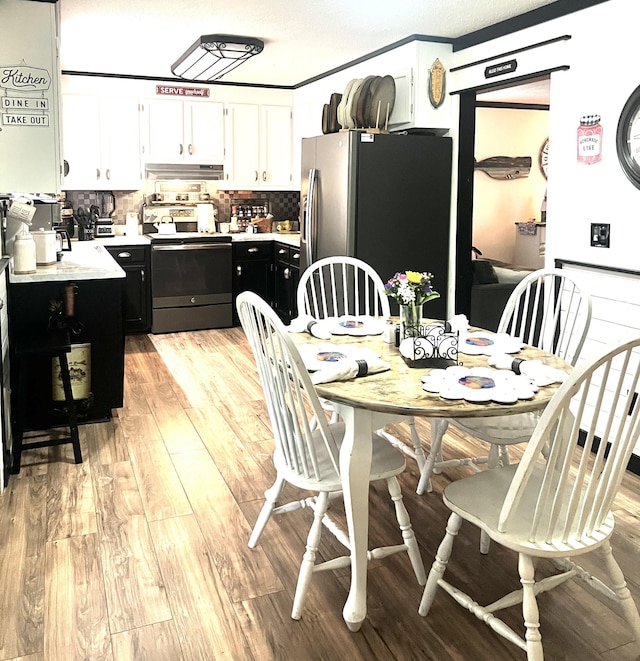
column 493, row 282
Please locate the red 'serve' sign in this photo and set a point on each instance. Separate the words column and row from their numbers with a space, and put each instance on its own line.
column 172, row 90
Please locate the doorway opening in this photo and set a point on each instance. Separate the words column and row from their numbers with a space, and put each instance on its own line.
column 502, row 187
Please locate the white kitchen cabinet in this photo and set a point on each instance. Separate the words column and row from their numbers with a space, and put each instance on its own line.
column 184, row 131
column 242, row 129
column 101, row 138
column 258, row 146
column 30, row 155
column 276, row 147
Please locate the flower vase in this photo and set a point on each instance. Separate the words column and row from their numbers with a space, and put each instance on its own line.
column 410, row 320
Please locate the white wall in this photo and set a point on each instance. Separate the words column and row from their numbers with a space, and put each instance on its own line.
column 409, row 64
column 601, row 56
column 498, row 204
column 411, row 60
column 147, row 89
column 599, row 80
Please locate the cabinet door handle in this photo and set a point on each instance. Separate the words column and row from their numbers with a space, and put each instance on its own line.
column 252, row 250
column 296, row 255
column 264, row 175
column 97, row 173
column 281, row 251
column 257, row 175
column 190, row 149
column 108, row 173
column 124, row 254
column 181, row 149
column 238, row 270
column 142, row 275
column 286, row 273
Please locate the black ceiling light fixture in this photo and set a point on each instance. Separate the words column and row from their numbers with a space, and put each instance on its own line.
column 214, row 55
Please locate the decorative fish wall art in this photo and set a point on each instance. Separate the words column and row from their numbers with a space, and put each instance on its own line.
column 504, row 167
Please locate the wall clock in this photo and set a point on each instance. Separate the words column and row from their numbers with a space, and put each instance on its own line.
column 543, row 157
column 628, row 138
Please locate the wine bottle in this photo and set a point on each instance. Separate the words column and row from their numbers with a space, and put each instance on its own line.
column 79, row 359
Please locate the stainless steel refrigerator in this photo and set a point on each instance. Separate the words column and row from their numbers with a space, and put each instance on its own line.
column 383, row 198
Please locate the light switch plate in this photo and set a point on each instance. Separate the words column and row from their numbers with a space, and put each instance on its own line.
column 600, row 234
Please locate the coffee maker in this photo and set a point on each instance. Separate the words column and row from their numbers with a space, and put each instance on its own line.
column 66, row 222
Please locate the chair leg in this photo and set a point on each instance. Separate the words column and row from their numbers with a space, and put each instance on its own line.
column 309, row 557
column 619, row 586
column 407, row 531
column 498, row 455
column 271, row 496
column 530, row 610
column 71, row 407
column 440, row 563
column 418, row 450
column 438, row 429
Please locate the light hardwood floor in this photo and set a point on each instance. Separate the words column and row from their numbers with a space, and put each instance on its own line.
column 140, row 552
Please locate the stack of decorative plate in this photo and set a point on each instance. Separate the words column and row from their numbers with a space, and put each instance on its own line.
column 367, row 103
column 330, row 114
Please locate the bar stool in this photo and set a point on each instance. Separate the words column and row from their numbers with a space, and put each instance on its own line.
column 53, row 344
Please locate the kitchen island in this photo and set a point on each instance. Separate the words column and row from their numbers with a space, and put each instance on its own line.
column 98, row 282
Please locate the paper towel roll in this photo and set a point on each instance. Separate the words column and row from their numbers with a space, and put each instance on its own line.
column 205, row 218
column 131, row 226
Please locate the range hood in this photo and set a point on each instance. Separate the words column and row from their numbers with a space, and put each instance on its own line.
column 187, row 171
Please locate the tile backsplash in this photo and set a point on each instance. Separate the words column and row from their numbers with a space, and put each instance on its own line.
column 284, row 205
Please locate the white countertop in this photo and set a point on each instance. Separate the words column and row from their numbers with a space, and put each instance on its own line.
column 292, row 238
column 87, row 260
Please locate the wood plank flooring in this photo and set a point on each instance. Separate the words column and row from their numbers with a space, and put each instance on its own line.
column 140, row 553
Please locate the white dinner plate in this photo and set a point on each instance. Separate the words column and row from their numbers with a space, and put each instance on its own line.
column 477, row 343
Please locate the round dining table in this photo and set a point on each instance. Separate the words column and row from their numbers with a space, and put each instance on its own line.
column 369, row 403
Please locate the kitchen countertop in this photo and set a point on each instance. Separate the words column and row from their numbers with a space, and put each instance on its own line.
column 290, row 238
column 87, row 260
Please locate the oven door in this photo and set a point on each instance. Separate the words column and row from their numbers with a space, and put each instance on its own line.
column 191, row 286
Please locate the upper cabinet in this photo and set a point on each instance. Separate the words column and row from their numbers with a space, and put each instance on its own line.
column 178, row 131
column 30, row 158
column 258, row 146
column 276, row 140
column 101, row 142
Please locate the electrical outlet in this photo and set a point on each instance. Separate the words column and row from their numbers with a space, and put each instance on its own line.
column 600, row 233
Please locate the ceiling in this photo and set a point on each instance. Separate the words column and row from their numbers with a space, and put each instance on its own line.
column 303, row 38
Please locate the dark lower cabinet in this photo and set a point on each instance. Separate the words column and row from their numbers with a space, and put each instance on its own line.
column 98, row 306
column 135, row 262
column 252, row 270
column 287, row 275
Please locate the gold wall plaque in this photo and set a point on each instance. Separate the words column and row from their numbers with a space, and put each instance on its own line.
column 436, row 83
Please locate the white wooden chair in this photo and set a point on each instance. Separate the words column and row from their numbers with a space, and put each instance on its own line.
column 340, row 285
column 309, row 458
column 547, row 310
column 555, row 504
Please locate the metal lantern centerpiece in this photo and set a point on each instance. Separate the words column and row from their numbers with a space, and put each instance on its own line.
column 436, row 345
